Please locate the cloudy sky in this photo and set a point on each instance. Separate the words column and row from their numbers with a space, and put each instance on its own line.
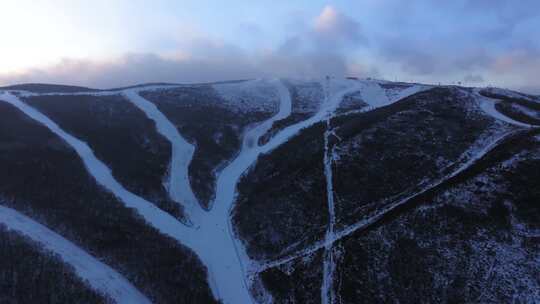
column 108, row 43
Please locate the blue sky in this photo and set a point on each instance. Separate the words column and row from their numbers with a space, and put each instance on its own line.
column 106, row 43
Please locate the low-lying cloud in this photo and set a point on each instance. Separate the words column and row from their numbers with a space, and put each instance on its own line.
column 317, row 50
column 476, row 42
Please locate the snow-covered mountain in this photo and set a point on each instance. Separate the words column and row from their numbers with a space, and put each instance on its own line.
column 269, row 191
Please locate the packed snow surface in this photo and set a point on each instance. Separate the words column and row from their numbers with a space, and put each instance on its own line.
column 329, row 266
column 182, row 152
column 99, row 276
column 152, row 214
column 230, row 260
column 211, row 241
column 488, row 106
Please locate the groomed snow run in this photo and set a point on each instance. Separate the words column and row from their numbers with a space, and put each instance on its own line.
column 488, row 106
column 182, row 152
column 235, row 262
column 223, row 249
column 99, row 276
column 211, row 244
column 337, row 91
column 152, row 214
column 212, row 239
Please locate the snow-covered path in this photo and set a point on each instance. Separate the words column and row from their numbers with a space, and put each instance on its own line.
column 363, row 224
column 488, row 106
column 227, row 264
column 212, row 237
column 327, row 288
column 99, row 276
column 328, row 107
column 152, row 214
column 182, row 152
column 374, row 95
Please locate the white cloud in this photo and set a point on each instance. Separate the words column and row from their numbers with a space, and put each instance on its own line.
column 311, row 52
column 337, row 27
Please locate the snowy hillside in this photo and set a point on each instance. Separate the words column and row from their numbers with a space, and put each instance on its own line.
column 269, row 191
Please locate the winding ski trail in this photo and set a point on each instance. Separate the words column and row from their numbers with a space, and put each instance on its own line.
column 488, row 106
column 214, row 231
column 182, row 152
column 231, row 259
column 212, row 239
column 97, row 275
column 102, row 174
column 328, row 107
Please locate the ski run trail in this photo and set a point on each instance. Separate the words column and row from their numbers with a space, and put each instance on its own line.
column 209, row 233
column 488, row 105
column 210, row 229
column 99, row 276
column 329, row 266
column 178, row 184
column 375, row 96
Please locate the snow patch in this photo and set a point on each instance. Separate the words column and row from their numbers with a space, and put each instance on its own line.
column 329, row 265
column 249, row 96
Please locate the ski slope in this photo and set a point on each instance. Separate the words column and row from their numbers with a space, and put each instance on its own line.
column 99, row 276
column 209, row 233
column 329, row 266
column 181, row 155
column 102, row 174
column 213, row 230
column 226, row 277
column 488, row 106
